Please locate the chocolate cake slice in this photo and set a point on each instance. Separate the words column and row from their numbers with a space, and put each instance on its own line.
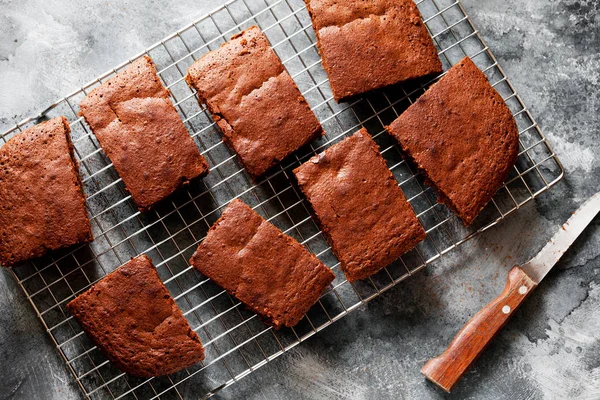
column 361, row 209
column 268, row 271
column 370, row 44
column 254, row 101
column 140, row 131
column 463, row 136
column 42, row 204
column 132, row 318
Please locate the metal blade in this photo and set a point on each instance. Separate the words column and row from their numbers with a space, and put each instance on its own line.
column 542, row 263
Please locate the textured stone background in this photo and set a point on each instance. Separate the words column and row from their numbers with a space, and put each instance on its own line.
column 551, row 349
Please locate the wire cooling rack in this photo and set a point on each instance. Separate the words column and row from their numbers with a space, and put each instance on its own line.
column 236, row 342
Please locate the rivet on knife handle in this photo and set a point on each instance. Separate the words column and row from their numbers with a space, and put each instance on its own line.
column 447, row 369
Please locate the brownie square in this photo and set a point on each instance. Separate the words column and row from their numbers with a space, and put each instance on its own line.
column 255, row 102
column 42, row 204
column 359, row 205
column 367, row 45
column 140, row 131
column 463, row 137
column 268, row 271
column 132, row 318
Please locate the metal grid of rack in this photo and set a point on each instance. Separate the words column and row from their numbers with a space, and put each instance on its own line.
column 236, row 342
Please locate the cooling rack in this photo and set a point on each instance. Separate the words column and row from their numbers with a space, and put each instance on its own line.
column 236, row 342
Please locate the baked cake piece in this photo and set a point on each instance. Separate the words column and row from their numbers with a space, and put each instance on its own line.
column 361, row 209
column 254, row 101
column 140, row 131
column 268, row 271
column 42, row 204
column 463, row 137
column 370, row 44
column 132, row 318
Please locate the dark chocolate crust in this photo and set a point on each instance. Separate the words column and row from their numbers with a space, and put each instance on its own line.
column 140, row 131
column 255, row 102
column 361, row 209
column 462, row 135
column 370, row 44
column 268, row 271
column 132, row 318
column 42, row 204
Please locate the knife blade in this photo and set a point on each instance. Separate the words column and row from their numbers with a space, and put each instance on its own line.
column 539, row 266
column 447, row 369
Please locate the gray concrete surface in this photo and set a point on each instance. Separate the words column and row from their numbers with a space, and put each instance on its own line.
column 550, row 350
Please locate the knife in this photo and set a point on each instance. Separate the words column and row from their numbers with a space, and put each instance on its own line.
column 478, row 332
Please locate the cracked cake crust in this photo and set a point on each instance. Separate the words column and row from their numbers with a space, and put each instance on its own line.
column 367, row 45
column 268, row 271
column 141, row 132
column 360, row 207
column 42, row 204
column 132, row 318
column 254, row 101
column 463, row 136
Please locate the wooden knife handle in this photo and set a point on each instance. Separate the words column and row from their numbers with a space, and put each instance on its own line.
column 478, row 332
